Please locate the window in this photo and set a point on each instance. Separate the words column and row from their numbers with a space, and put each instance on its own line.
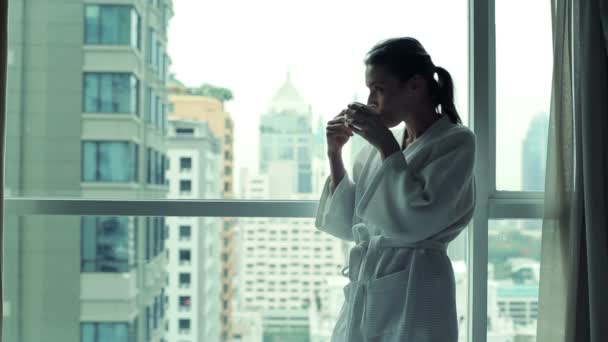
column 161, row 303
column 522, row 110
column 111, row 93
column 156, row 166
column 155, row 315
column 150, row 45
column 109, row 161
column 184, row 303
column 150, row 106
column 184, row 257
column 184, row 280
column 105, row 244
column 228, row 171
column 185, row 163
column 106, row 331
column 185, row 232
column 111, row 25
column 452, row 55
column 149, row 165
column 165, row 14
column 184, row 131
column 184, row 326
column 185, row 186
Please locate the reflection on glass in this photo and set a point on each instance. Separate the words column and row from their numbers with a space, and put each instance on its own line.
column 105, row 244
column 110, row 93
column 513, row 279
column 111, row 25
column 105, row 332
column 109, row 161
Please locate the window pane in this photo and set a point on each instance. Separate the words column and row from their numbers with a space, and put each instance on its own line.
column 118, row 94
column 92, row 24
column 185, row 163
column 107, row 100
column 89, row 164
column 87, row 332
column 121, row 93
column 91, row 93
column 109, row 24
column 134, row 95
column 124, row 25
column 88, row 244
column 513, row 279
column 106, row 244
column 111, row 162
column 523, row 93
column 111, row 332
column 185, row 232
column 149, row 40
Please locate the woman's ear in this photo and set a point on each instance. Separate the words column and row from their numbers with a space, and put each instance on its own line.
column 417, row 83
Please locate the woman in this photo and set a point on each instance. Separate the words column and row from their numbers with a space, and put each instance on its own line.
column 412, row 192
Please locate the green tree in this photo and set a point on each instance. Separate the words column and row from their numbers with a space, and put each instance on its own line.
column 220, row 93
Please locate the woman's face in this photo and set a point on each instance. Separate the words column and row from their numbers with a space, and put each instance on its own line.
column 387, row 94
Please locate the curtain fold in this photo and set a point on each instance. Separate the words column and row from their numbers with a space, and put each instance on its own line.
column 573, row 305
column 559, row 185
column 591, row 107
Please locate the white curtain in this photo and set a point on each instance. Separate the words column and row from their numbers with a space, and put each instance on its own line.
column 573, row 303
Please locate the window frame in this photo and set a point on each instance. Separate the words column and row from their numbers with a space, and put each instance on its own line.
column 133, row 14
column 97, row 76
column 491, row 203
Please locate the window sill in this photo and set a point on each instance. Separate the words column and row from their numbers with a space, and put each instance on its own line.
column 127, row 116
column 102, row 185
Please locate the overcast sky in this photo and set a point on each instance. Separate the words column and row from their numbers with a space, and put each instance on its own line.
column 248, row 46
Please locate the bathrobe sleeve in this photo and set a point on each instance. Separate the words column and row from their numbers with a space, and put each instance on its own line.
column 336, row 210
column 415, row 202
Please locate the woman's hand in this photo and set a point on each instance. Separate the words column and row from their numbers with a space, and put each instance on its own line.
column 337, row 133
column 365, row 121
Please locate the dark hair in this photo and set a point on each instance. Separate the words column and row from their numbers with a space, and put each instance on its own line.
column 406, row 57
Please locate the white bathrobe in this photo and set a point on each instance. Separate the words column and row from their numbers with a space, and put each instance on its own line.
column 402, row 213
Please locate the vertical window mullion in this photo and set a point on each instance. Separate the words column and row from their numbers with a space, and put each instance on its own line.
column 97, row 161
column 482, row 64
column 100, row 25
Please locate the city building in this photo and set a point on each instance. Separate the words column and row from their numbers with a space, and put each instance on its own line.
column 284, row 262
column 190, row 104
column 194, row 243
column 286, row 136
column 78, row 71
column 534, row 154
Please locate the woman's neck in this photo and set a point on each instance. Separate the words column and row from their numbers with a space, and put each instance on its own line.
column 416, row 125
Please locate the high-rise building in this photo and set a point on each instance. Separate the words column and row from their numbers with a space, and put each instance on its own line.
column 284, row 262
column 189, row 104
column 534, row 154
column 286, row 136
column 194, row 248
column 77, row 71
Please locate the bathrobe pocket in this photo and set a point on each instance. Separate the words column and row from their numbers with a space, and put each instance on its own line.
column 384, row 304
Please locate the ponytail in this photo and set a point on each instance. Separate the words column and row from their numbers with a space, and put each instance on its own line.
column 405, row 57
column 444, row 95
